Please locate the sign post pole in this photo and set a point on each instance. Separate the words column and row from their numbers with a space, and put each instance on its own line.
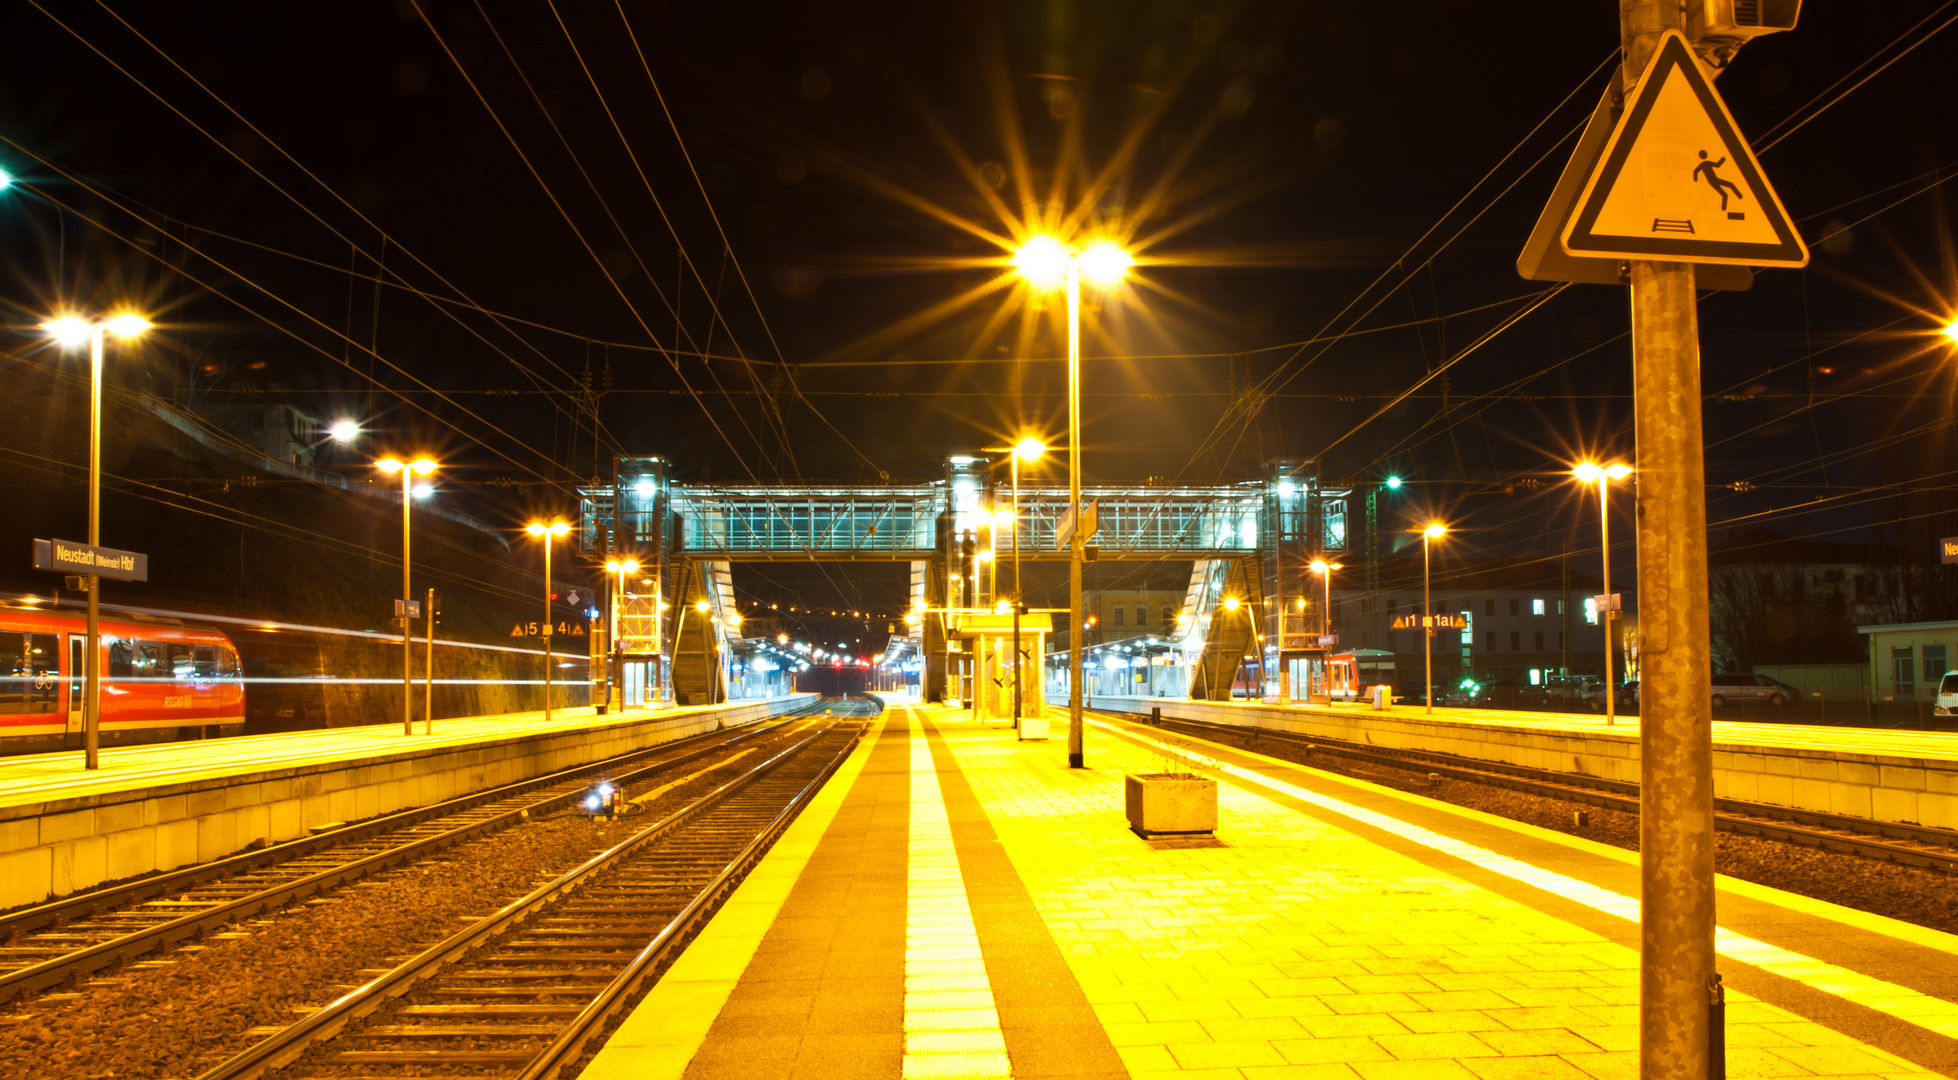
column 1676, row 894
column 92, row 648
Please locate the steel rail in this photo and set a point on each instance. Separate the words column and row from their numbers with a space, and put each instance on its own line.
column 1919, row 845
column 95, row 956
column 283, row 1048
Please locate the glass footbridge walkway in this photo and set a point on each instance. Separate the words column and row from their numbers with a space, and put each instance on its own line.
column 1249, row 540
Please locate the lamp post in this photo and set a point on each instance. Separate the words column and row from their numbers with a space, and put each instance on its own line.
column 1029, row 450
column 408, row 470
column 1045, row 262
column 1325, row 570
column 548, row 531
column 1591, row 472
column 620, row 568
column 70, row 331
column 1435, row 531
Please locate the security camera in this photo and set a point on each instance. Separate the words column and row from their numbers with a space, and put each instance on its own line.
column 1718, row 28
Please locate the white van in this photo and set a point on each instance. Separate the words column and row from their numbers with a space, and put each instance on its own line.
column 1947, row 696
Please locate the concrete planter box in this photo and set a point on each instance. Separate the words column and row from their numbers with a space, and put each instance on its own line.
column 1171, row 804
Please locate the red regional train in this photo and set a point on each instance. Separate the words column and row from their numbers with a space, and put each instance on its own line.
column 161, row 679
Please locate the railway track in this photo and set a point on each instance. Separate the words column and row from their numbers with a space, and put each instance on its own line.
column 62, row 942
column 1910, row 845
column 521, row 991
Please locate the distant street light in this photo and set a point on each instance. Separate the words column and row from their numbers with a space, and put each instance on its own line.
column 343, row 431
column 1044, row 261
column 1435, row 531
column 70, row 332
column 1325, row 570
column 548, row 531
column 408, row 470
column 6, row 179
column 1951, row 330
column 619, row 567
column 1590, row 472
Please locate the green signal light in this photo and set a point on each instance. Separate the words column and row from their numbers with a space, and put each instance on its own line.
column 1394, row 483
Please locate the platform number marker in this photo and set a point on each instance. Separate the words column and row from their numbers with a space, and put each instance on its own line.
column 1677, row 182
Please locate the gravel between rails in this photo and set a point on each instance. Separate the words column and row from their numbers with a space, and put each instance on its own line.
column 1910, row 894
column 193, row 1011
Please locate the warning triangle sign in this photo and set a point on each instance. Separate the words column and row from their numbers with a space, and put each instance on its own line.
column 1677, row 182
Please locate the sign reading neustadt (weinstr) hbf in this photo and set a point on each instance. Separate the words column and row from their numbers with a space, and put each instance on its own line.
column 70, row 557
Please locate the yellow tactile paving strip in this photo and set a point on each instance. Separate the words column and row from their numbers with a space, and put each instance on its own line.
column 1298, row 948
column 33, row 778
column 951, row 1027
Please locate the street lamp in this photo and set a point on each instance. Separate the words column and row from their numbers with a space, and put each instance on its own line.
column 620, row 567
column 1044, row 261
column 1325, row 570
column 408, row 470
column 1435, row 531
column 549, row 531
column 70, row 332
column 1029, row 450
column 1590, row 472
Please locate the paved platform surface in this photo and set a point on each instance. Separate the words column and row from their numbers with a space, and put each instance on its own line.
column 34, row 778
column 957, row 903
column 1934, row 745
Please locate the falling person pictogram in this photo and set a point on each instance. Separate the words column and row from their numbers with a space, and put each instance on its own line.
column 1719, row 185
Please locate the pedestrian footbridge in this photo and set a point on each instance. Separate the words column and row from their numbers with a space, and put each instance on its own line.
column 1249, row 541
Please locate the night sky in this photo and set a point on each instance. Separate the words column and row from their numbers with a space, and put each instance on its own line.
column 804, row 282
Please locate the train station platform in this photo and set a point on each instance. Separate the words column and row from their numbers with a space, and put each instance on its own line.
column 1873, row 773
column 159, row 806
column 959, row 903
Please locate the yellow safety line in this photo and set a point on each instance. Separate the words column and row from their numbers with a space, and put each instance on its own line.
column 951, row 1028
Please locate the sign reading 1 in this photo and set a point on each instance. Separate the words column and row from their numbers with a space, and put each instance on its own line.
column 534, row 629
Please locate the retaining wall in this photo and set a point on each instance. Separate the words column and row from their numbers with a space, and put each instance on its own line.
column 55, row 847
column 1916, row 785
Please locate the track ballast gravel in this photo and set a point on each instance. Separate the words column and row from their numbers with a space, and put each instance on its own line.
column 194, row 1007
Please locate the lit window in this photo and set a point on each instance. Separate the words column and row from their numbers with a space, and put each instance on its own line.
column 1536, row 674
column 1536, row 607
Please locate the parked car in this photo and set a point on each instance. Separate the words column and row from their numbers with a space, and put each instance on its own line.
column 1624, row 697
column 1733, row 689
column 1567, row 691
column 1947, row 703
column 1494, row 694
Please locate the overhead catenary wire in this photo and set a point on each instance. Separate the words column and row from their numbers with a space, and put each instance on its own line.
column 386, row 238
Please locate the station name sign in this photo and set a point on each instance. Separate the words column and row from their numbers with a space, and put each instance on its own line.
column 1434, row 622
column 69, row 557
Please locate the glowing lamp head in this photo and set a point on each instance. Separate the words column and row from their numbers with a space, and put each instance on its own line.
column 343, row 431
column 1029, row 449
column 1231, row 603
column 6, row 179
column 1318, row 566
column 701, row 606
column 1618, row 470
column 68, row 331
column 1435, row 530
column 128, row 324
column 1042, row 260
column 391, row 466
column 422, row 466
column 559, row 527
column 1393, row 483
column 734, row 620
column 422, row 491
column 1587, row 471
column 1950, row 328
column 1104, row 262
